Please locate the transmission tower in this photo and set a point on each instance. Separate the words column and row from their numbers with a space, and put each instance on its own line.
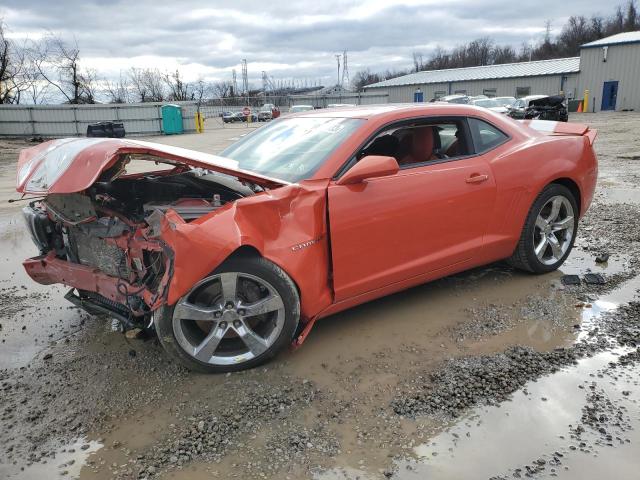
column 245, row 78
column 338, row 60
column 345, row 71
column 265, row 82
column 234, row 82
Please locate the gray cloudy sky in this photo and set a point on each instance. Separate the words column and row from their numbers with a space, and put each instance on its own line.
column 286, row 38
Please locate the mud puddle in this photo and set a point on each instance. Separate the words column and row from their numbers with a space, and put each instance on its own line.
column 541, row 430
column 32, row 315
column 66, row 462
column 534, row 426
column 533, row 429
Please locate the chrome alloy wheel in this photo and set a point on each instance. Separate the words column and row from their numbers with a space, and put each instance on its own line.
column 228, row 318
column 554, row 229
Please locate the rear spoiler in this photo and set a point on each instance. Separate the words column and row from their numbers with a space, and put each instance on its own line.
column 549, row 127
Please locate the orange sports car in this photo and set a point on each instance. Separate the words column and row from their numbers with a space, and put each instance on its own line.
column 230, row 258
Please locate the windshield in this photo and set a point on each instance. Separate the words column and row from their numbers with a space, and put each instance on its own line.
column 291, row 149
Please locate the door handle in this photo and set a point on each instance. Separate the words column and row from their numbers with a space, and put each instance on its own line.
column 477, row 178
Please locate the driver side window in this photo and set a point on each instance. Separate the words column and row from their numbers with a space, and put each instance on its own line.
column 417, row 143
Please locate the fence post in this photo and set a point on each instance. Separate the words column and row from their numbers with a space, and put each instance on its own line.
column 75, row 119
column 32, row 121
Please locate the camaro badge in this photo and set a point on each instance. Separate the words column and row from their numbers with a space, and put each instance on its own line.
column 306, row 244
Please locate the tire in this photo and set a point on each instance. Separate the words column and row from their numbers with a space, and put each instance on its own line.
column 208, row 331
column 532, row 254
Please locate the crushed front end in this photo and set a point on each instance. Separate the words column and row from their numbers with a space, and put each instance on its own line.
column 114, row 264
column 99, row 227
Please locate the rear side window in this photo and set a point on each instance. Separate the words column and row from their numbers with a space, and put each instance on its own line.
column 485, row 136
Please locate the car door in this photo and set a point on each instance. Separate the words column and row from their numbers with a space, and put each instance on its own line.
column 424, row 218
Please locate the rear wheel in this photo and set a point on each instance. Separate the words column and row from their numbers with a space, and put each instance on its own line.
column 549, row 231
column 238, row 317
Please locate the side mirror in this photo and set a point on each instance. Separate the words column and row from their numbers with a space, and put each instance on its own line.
column 370, row 166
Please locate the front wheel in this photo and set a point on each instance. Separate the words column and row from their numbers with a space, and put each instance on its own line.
column 240, row 316
column 549, row 231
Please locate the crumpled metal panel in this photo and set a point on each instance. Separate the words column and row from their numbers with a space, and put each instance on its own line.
column 286, row 225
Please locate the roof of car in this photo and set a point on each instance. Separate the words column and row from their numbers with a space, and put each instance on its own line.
column 370, row 111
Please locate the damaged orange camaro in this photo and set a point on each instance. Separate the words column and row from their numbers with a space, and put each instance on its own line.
column 232, row 257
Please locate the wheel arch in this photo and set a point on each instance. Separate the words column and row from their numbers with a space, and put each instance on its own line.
column 573, row 188
column 250, row 251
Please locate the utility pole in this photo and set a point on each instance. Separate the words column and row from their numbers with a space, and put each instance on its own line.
column 234, row 83
column 245, row 80
column 345, row 71
column 338, row 60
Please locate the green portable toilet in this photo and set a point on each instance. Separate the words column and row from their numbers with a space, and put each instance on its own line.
column 171, row 119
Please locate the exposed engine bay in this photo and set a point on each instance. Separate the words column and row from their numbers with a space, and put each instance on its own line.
column 110, row 230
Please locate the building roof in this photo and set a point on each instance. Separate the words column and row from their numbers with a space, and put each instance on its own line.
column 507, row 70
column 620, row 38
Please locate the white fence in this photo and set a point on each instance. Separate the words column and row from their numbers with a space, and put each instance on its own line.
column 323, row 101
column 141, row 118
column 72, row 120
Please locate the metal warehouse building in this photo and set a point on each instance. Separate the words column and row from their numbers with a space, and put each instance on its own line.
column 609, row 68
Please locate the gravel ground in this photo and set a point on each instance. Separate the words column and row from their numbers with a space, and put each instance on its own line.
column 367, row 388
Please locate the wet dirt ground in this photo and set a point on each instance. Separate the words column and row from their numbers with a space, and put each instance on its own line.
column 488, row 374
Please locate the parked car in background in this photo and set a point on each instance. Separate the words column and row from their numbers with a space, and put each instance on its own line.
column 268, row 111
column 489, row 103
column 505, row 101
column 457, row 98
column 340, row 105
column 540, row 107
column 232, row 117
column 233, row 257
column 300, row 108
column 517, row 110
column 548, row 108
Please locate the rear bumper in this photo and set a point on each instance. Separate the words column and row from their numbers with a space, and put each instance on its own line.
column 48, row 269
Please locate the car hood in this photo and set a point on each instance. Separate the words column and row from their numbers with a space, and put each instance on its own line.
column 71, row 165
column 499, row 109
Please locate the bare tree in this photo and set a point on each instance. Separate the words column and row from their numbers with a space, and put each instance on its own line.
column 58, row 64
column 418, row 62
column 179, row 90
column 574, row 33
column 15, row 77
column 364, row 78
column 147, row 84
column 439, row 60
column 631, row 22
column 222, row 89
column 503, row 54
column 479, row 52
column 118, row 91
column 597, row 26
column 199, row 91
